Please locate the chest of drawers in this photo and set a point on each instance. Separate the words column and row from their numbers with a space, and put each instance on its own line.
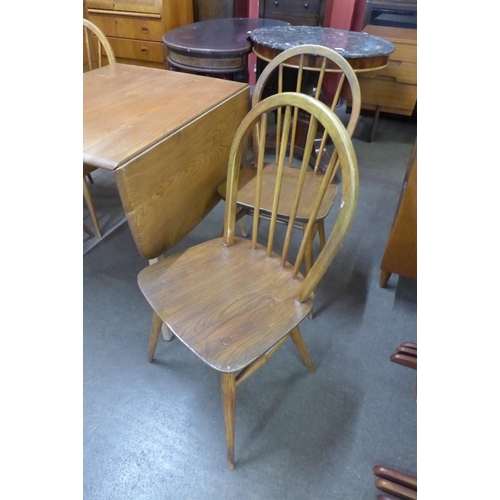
column 392, row 89
column 135, row 28
column 295, row 12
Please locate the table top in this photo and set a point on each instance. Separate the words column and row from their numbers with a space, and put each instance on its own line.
column 350, row 44
column 127, row 109
column 217, row 35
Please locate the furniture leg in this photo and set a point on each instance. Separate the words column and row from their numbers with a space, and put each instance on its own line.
column 167, row 334
column 90, row 205
column 321, row 232
column 153, row 338
column 301, row 347
column 375, row 123
column 88, row 231
column 384, row 278
column 89, row 176
column 243, row 229
column 229, row 407
column 308, row 260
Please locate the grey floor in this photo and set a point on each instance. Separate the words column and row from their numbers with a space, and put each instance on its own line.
column 155, row 431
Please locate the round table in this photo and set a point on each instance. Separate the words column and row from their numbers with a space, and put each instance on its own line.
column 214, row 46
column 364, row 52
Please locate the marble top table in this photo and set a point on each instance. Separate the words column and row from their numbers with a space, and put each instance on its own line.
column 364, row 52
column 214, row 46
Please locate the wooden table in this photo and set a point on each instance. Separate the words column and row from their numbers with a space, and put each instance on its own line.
column 167, row 136
column 214, row 46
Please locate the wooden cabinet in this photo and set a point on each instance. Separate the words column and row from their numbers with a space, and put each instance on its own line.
column 400, row 256
column 135, row 28
column 392, row 89
column 295, row 12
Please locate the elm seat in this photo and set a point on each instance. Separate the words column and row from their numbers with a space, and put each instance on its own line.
column 238, row 295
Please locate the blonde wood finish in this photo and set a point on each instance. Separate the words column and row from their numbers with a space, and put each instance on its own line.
column 135, row 27
column 128, row 109
column 289, row 204
column 97, row 48
column 90, row 205
column 229, row 300
column 394, row 88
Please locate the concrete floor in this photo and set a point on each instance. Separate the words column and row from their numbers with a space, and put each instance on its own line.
column 155, row 431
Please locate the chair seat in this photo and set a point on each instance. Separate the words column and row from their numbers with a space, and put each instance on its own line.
column 246, row 192
column 228, row 305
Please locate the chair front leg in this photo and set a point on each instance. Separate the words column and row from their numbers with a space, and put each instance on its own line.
column 229, row 407
column 153, row 338
column 301, row 347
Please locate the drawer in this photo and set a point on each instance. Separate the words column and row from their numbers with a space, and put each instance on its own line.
column 152, row 6
column 296, row 20
column 405, row 52
column 387, row 93
column 402, row 72
column 293, row 8
column 128, row 27
column 137, row 49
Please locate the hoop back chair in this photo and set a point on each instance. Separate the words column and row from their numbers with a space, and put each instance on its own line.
column 312, row 58
column 233, row 301
column 90, row 56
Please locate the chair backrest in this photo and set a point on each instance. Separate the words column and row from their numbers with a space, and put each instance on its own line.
column 318, row 59
column 89, row 45
column 319, row 114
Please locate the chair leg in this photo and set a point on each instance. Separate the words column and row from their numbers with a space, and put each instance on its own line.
column 90, row 179
column 168, row 335
column 229, row 407
column 153, row 338
column 301, row 347
column 308, row 260
column 243, row 229
column 321, row 232
column 88, row 231
column 90, row 205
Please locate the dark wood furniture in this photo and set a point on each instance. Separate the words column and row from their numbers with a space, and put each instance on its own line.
column 135, row 27
column 297, row 13
column 218, row 46
column 232, row 301
column 204, row 10
column 400, row 255
column 172, row 132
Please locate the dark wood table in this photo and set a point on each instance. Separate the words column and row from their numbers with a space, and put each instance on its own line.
column 364, row 52
column 215, row 46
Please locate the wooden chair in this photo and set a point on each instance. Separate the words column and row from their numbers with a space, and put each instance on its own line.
column 93, row 48
column 310, row 58
column 233, row 301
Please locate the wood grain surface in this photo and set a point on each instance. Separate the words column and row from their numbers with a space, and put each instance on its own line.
column 127, row 109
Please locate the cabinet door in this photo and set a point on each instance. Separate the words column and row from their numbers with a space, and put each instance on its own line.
column 151, row 6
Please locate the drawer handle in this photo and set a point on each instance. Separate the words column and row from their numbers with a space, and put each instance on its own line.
column 276, row 3
column 145, row 30
column 306, row 6
column 144, row 50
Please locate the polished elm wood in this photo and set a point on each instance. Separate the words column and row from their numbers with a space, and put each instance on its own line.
column 135, row 27
column 324, row 57
column 400, row 255
column 234, row 301
column 168, row 137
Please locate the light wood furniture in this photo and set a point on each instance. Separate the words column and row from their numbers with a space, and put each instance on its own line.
column 172, row 132
column 400, row 255
column 312, row 58
column 96, row 48
column 234, row 301
column 135, row 27
column 392, row 89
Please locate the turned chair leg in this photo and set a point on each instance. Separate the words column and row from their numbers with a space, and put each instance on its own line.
column 321, row 232
column 301, row 347
column 90, row 205
column 229, row 407
column 153, row 338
